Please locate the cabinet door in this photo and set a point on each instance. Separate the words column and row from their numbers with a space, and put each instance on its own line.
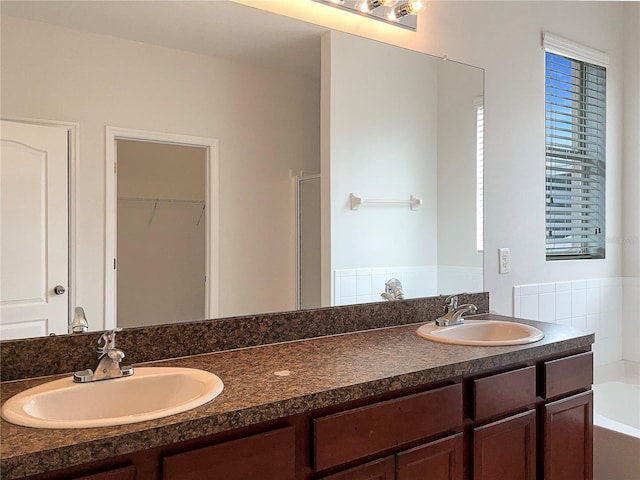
column 439, row 460
column 268, row 456
column 383, row 469
column 568, row 438
column 506, row 449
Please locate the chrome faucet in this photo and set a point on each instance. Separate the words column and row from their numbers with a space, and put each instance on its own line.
column 453, row 312
column 79, row 323
column 393, row 290
column 109, row 358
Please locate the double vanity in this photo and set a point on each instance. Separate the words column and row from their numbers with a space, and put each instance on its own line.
column 349, row 393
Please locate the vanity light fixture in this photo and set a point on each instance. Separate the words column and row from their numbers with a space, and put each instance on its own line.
column 367, row 6
column 411, row 8
column 402, row 13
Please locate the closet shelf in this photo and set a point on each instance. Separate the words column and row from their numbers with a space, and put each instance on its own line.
column 160, row 200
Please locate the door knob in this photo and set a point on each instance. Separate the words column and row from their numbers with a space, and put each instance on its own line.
column 59, row 290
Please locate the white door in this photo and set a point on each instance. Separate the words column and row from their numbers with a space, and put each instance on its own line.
column 33, row 230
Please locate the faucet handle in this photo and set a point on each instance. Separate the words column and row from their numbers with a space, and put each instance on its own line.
column 450, row 303
column 107, row 341
column 116, row 354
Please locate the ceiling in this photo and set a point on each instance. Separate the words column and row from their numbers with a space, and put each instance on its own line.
column 216, row 28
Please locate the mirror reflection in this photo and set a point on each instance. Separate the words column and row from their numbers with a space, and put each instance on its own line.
column 288, row 121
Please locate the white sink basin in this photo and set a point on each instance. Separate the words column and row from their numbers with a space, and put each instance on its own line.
column 482, row 333
column 151, row 392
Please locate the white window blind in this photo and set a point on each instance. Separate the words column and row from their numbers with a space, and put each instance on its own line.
column 479, row 104
column 575, row 105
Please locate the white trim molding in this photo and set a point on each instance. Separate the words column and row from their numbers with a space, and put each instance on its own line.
column 562, row 46
column 212, row 218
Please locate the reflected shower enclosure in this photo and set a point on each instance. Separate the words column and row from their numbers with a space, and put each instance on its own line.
column 307, row 218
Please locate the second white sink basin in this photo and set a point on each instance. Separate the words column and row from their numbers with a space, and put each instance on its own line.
column 150, row 393
column 482, row 333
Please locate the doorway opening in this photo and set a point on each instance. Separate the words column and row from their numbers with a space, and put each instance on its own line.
column 164, row 225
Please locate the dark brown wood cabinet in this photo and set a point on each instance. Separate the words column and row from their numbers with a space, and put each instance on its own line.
column 438, row 460
column 506, row 449
column 124, row 473
column 386, row 427
column 383, row 469
column 529, row 421
column 568, row 438
column 357, row 433
column 272, row 454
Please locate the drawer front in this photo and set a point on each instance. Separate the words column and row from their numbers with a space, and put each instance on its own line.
column 357, row 433
column 567, row 374
column 124, row 473
column 383, row 469
column 272, row 454
column 503, row 393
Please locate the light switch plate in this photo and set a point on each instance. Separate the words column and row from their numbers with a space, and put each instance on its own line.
column 504, row 256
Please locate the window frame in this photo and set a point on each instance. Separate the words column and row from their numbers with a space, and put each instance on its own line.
column 574, row 164
column 478, row 103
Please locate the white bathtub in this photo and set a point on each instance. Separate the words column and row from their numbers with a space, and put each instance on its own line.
column 616, row 418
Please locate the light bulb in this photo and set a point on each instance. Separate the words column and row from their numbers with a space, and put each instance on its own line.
column 367, row 6
column 410, row 8
column 415, row 6
column 362, row 5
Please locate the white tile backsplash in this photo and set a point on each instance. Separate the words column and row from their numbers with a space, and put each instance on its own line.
column 563, row 306
column 579, row 322
column 546, row 288
column 547, row 306
column 348, row 286
column 593, row 300
column 609, row 307
column 363, row 285
column 529, row 307
column 579, row 302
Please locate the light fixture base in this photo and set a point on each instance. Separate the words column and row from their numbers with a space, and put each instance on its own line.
column 410, row 22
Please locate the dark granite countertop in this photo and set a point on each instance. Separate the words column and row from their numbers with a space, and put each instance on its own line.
column 325, row 371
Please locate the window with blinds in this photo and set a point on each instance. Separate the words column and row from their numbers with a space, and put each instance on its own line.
column 479, row 104
column 575, row 93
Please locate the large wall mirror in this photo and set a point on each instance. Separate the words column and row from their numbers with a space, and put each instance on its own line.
column 242, row 139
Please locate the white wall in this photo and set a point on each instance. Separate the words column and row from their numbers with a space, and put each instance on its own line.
column 374, row 156
column 631, row 185
column 459, row 262
column 95, row 80
column 631, row 153
column 504, row 38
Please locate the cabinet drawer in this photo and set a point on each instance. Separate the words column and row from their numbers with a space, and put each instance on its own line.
column 503, row 393
column 383, row 469
column 567, row 374
column 124, row 473
column 272, row 454
column 372, row 429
